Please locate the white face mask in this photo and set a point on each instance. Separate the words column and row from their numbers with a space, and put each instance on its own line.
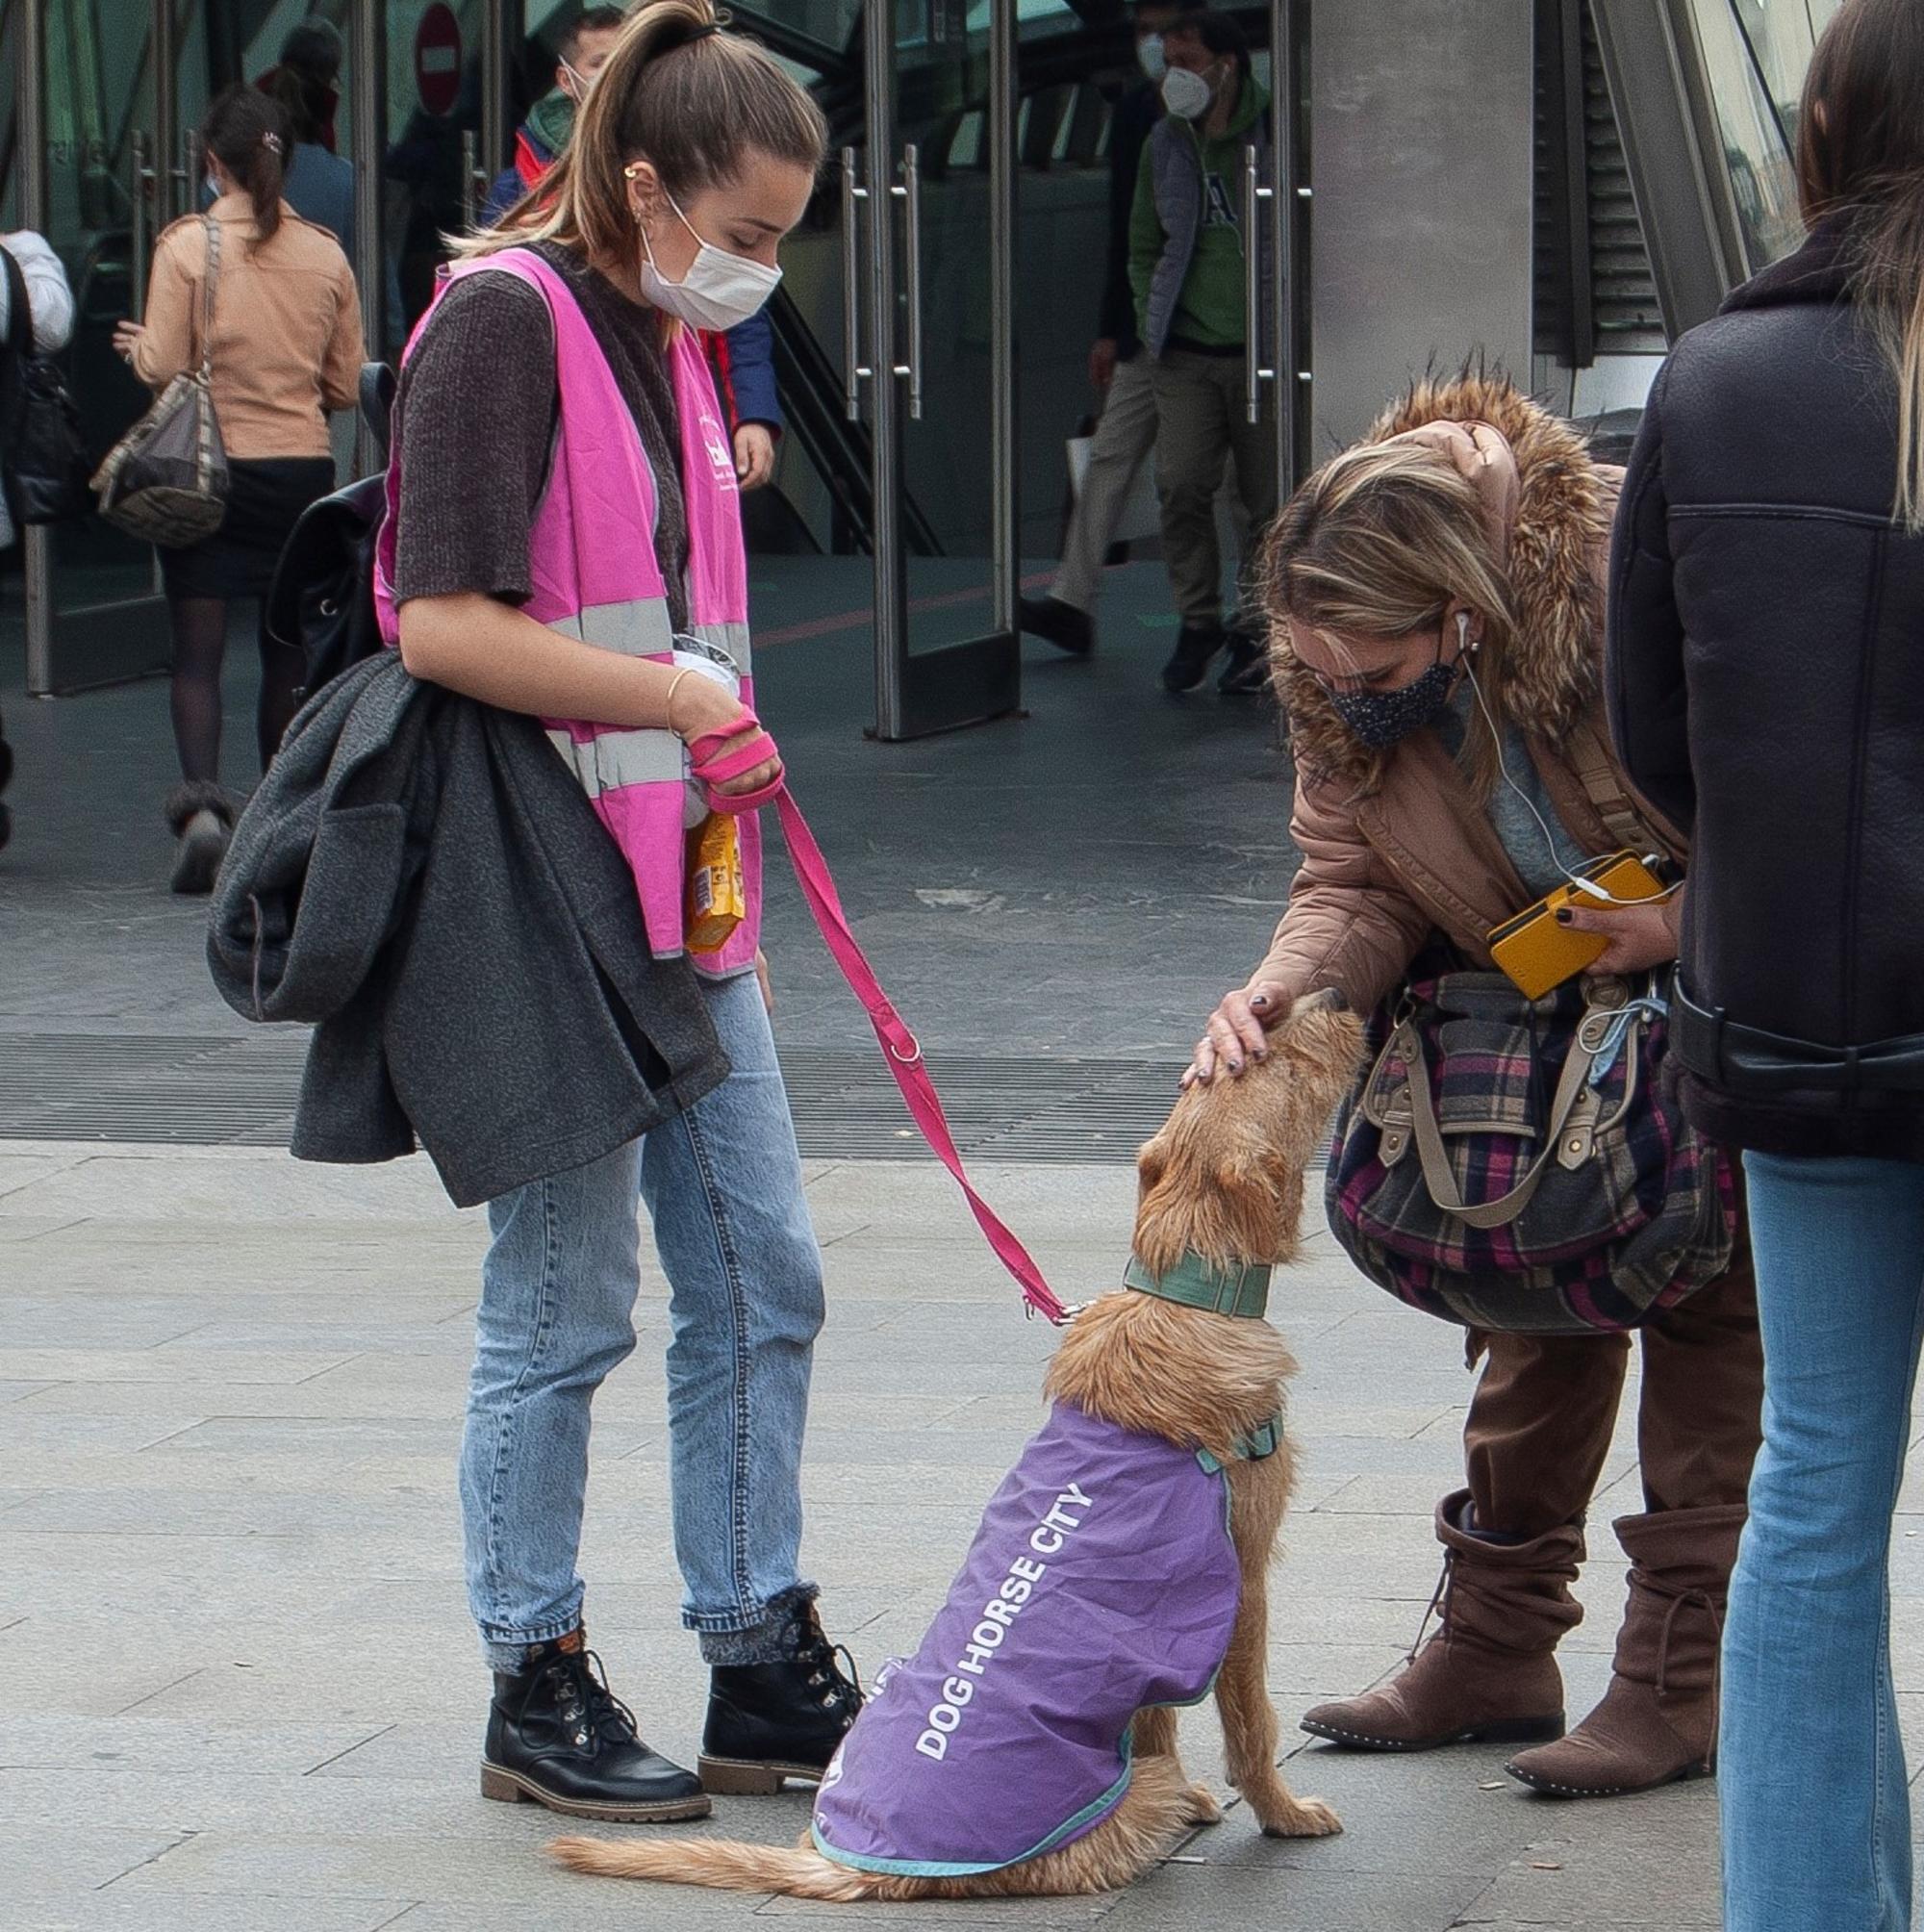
column 718, row 291
column 583, row 82
column 1150, row 56
column 1187, row 94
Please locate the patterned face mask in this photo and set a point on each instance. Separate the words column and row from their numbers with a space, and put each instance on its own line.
column 1381, row 719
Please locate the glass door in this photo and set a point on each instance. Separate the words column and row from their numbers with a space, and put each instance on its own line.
column 97, row 180
column 927, row 225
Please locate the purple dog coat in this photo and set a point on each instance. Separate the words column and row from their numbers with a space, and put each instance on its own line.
column 1102, row 1579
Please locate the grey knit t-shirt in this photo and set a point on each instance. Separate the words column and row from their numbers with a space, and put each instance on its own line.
column 477, row 411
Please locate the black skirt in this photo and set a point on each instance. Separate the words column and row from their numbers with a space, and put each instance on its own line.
column 265, row 499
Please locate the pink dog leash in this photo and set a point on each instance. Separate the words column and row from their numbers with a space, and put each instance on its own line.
column 899, row 1046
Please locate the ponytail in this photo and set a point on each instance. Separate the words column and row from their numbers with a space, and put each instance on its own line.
column 249, row 134
column 680, row 92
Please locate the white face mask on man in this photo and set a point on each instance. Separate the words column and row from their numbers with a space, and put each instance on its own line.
column 718, row 291
column 1188, row 94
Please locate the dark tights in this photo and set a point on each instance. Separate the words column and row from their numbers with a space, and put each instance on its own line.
column 200, row 642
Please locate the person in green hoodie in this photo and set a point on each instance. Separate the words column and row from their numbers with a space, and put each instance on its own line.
column 1189, row 263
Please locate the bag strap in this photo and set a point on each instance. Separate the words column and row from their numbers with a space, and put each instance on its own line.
column 902, row 1051
column 210, row 276
column 1602, row 780
column 1429, row 1136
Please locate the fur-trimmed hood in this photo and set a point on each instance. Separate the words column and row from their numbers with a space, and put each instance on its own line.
column 1558, row 538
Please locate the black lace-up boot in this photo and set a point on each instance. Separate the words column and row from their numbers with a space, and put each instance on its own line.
column 558, row 1736
column 772, row 1721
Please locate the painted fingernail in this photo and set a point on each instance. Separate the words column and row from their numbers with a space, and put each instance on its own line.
column 1563, row 915
column 1235, row 1066
column 1259, row 1000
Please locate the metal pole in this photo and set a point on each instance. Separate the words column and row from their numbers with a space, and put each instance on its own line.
column 1006, row 569
column 167, row 116
column 494, row 91
column 885, row 422
column 367, row 53
column 1286, row 209
column 30, row 116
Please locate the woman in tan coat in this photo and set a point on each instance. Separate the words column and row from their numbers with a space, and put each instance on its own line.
column 1468, row 534
column 286, row 349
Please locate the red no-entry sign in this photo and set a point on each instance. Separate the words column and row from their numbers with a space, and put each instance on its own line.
column 437, row 59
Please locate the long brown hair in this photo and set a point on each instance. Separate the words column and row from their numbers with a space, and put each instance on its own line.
column 250, row 135
column 677, row 92
column 1378, row 540
column 1860, row 151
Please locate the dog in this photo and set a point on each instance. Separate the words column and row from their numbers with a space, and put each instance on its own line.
column 1183, row 1396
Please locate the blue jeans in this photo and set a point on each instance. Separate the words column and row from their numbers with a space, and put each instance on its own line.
column 723, row 1183
column 1816, row 1812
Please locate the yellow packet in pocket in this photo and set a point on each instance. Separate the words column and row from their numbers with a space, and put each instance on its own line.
column 718, row 894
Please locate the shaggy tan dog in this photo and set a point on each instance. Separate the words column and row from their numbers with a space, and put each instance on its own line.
column 1224, row 1180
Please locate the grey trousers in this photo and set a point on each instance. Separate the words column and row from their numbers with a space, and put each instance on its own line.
column 1201, row 420
column 1125, row 436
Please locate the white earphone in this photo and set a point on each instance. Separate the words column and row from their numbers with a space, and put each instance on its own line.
column 1466, row 649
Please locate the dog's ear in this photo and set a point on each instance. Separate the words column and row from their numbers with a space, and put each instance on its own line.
column 1152, row 1160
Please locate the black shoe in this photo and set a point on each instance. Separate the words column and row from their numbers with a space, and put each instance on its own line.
column 1247, row 673
column 200, row 814
column 771, row 1721
column 558, row 1736
column 1059, row 623
column 1196, row 644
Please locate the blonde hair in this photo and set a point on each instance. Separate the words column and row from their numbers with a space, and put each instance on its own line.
column 1860, row 149
column 679, row 92
column 1378, row 540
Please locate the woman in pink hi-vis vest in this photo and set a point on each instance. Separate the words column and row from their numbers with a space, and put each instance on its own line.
column 564, row 539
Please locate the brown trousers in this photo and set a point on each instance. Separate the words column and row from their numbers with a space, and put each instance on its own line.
column 1542, row 1416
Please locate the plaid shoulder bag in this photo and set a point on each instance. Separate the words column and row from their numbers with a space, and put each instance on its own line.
column 166, row 478
column 1518, row 1165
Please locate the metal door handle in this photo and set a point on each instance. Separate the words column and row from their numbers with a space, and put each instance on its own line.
column 188, row 176
column 141, row 149
column 1254, row 195
column 854, row 372
column 910, row 195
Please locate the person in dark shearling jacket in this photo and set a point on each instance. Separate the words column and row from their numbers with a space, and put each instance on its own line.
column 1766, row 670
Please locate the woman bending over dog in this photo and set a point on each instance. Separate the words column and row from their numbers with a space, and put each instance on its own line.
column 1438, row 633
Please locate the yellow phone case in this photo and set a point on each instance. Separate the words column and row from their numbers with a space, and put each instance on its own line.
column 1537, row 954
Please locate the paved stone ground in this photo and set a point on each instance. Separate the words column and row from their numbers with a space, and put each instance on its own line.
column 236, row 1686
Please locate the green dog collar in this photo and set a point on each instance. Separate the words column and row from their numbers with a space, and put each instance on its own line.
column 1255, row 1447
column 1197, row 1283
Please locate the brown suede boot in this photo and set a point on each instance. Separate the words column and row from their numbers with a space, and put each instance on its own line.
column 1657, row 1723
column 1490, row 1671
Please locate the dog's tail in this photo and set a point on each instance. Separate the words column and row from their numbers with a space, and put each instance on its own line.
column 797, row 1872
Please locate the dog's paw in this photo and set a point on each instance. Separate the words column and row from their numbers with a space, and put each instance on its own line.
column 1202, row 1806
column 1303, row 1818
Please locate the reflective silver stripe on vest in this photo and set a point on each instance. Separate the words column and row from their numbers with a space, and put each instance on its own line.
column 733, row 637
column 637, row 628
column 617, row 758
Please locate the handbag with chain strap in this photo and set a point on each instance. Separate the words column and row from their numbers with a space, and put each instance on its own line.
column 166, row 480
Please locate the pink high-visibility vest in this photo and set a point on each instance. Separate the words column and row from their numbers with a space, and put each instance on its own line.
column 597, row 577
